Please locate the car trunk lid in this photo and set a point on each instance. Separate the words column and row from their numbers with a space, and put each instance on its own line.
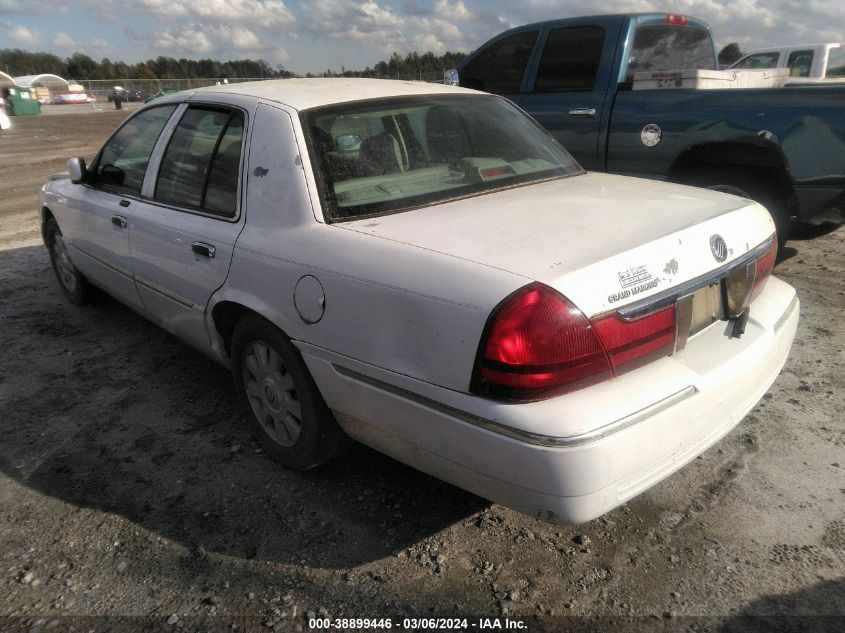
column 603, row 241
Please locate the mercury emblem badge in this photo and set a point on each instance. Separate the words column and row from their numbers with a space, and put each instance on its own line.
column 718, row 247
column 651, row 135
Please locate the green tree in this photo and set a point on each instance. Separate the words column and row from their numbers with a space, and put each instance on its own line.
column 730, row 54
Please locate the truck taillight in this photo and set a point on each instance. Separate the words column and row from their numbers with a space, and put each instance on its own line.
column 674, row 18
column 635, row 342
column 765, row 264
column 537, row 343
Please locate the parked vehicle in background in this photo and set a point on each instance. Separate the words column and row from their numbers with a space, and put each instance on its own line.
column 426, row 269
column 783, row 147
column 811, row 61
column 73, row 98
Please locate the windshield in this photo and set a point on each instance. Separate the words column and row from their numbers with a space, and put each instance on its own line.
column 389, row 155
column 670, row 47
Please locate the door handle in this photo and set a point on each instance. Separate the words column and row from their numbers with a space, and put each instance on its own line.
column 583, row 113
column 124, row 203
column 119, row 221
column 206, row 250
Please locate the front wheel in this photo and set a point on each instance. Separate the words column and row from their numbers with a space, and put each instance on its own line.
column 285, row 410
column 75, row 287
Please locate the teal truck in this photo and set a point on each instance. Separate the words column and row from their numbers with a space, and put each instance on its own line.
column 781, row 146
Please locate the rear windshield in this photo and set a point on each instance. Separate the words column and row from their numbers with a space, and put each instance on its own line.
column 670, row 47
column 389, row 155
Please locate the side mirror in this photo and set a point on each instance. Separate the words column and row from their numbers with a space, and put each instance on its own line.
column 451, row 78
column 76, row 169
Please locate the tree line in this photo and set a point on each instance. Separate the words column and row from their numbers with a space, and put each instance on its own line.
column 17, row 62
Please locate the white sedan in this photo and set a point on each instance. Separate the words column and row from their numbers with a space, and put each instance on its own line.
column 425, row 269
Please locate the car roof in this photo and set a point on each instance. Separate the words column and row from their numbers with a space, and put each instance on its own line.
column 301, row 94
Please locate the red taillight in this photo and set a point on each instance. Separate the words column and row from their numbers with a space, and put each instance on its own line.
column 537, row 342
column 630, row 344
column 674, row 18
column 764, row 268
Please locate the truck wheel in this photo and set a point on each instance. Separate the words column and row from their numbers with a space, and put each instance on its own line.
column 750, row 186
column 76, row 288
column 283, row 406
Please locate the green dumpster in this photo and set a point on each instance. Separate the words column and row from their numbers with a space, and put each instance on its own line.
column 22, row 101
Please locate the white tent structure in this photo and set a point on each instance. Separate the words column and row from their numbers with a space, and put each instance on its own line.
column 46, row 80
column 6, row 81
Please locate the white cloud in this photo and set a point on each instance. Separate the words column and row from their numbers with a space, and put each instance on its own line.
column 20, row 36
column 443, row 26
column 24, row 7
column 265, row 14
column 63, row 40
column 185, row 40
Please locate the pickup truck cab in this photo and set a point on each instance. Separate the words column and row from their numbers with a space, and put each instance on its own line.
column 805, row 61
column 783, row 147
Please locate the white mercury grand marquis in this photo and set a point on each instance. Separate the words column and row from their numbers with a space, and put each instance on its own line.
column 426, row 270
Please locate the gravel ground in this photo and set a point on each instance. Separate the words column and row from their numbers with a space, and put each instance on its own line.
column 133, row 498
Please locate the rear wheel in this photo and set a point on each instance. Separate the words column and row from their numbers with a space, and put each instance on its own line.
column 753, row 186
column 73, row 284
column 285, row 410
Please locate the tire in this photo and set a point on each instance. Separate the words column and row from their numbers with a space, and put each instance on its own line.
column 75, row 287
column 282, row 404
column 750, row 185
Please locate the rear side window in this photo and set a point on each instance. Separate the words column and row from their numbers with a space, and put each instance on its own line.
column 570, row 59
column 201, row 165
column 836, row 63
column 800, row 63
column 670, row 47
column 123, row 160
column 499, row 67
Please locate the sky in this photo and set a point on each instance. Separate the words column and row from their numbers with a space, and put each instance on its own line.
column 315, row 35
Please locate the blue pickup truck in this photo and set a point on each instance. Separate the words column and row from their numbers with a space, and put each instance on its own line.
column 784, row 147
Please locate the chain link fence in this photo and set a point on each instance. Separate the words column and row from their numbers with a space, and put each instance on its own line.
column 140, row 89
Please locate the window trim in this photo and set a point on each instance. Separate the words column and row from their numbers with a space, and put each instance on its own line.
column 161, row 148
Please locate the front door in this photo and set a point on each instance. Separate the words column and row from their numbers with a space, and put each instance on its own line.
column 99, row 236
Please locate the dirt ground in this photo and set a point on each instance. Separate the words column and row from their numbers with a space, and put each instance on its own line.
column 133, row 498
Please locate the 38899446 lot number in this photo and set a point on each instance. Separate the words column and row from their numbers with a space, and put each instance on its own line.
column 415, row 624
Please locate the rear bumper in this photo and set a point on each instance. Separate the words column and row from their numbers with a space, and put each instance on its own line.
column 575, row 457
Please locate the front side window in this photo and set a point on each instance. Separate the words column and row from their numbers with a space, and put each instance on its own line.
column 390, row 155
column 836, row 62
column 670, row 47
column 201, row 164
column 499, row 67
column 570, row 59
column 758, row 60
column 123, row 160
column 800, row 63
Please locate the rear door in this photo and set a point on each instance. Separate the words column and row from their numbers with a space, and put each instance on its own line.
column 103, row 207
column 183, row 235
column 567, row 92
